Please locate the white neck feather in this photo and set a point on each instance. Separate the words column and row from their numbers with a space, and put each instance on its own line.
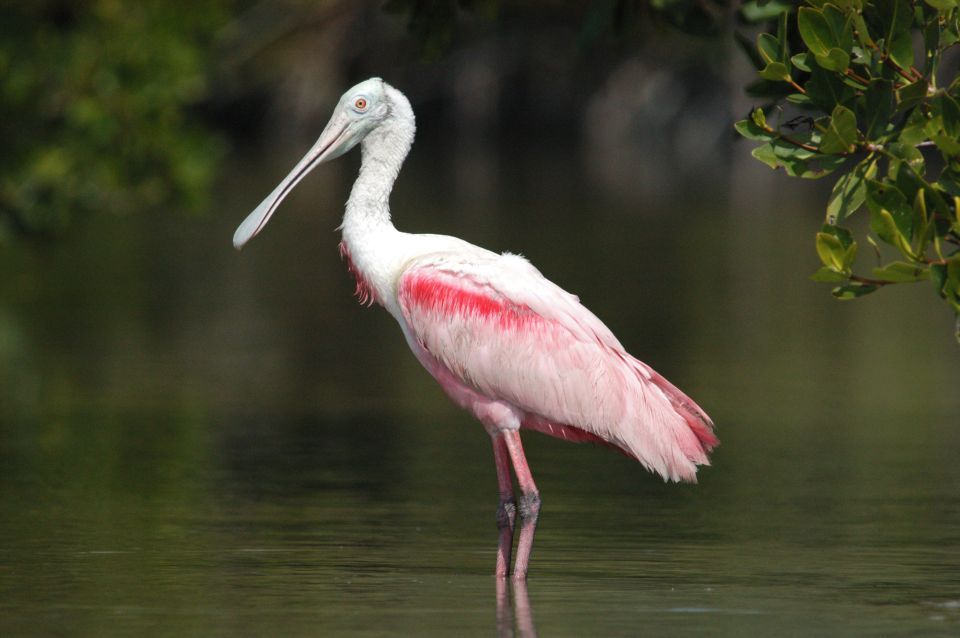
column 383, row 152
column 370, row 241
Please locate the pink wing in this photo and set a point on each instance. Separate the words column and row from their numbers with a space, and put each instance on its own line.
column 507, row 333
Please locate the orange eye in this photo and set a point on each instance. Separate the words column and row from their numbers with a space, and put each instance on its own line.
column 360, row 103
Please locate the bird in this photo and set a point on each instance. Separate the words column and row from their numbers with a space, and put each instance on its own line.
column 505, row 343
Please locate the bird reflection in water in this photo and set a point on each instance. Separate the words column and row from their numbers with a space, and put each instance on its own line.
column 515, row 619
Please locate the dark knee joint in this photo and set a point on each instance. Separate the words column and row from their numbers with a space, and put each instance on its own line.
column 506, row 513
column 529, row 505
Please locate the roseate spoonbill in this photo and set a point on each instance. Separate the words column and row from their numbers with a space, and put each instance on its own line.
column 504, row 342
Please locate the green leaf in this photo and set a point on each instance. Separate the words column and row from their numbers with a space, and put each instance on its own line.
column 852, row 291
column 841, row 134
column 824, row 165
column 875, row 246
column 815, row 31
column 835, row 60
column 951, row 288
column 849, row 256
column 759, row 118
column 825, row 89
column 796, row 167
column 911, row 95
column 895, row 18
column 920, row 207
column 841, row 26
column 949, row 35
column 949, row 146
column 766, row 155
column 769, row 48
column 950, row 114
column 914, row 131
column 828, row 34
column 775, row 71
column 796, row 161
column 849, row 193
column 751, row 131
column 883, row 224
column 905, row 153
column 902, row 272
column 801, row 61
column 942, row 5
column 783, row 37
column 831, row 252
column 786, row 150
column 938, row 276
column 878, row 102
column 886, row 200
column 861, row 31
column 842, row 234
column 824, row 274
column 946, row 280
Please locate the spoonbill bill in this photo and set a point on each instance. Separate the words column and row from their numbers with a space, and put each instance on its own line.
column 505, row 343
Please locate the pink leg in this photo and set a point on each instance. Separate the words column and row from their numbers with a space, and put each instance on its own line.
column 507, row 510
column 529, row 503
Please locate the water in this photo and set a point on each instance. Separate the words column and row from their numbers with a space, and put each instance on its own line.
column 194, row 442
column 304, row 527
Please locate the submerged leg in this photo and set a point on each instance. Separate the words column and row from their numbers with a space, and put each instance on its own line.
column 528, row 505
column 507, row 510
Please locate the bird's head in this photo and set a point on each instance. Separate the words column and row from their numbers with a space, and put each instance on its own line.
column 360, row 111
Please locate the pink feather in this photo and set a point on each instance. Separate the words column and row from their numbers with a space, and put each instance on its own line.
column 501, row 336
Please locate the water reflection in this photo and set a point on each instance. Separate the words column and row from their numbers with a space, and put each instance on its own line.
column 513, row 609
column 295, row 526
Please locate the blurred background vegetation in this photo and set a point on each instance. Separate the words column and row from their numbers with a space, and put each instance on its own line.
column 115, row 107
column 100, row 106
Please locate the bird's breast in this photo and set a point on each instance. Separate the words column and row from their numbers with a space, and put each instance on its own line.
column 365, row 292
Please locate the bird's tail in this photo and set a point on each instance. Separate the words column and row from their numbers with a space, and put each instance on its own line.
column 692, row 429
column 701, row 424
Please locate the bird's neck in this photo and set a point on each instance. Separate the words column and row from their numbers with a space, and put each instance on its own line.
column 370, row 241
column 383, row 151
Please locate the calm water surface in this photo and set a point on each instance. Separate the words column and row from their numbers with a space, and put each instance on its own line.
column 320, row 527
column 194, row 442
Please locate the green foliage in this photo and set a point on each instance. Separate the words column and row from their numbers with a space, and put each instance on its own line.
column 93, row 109
column 863, row 102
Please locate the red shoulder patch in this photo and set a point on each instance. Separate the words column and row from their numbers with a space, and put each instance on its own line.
column 448, row 295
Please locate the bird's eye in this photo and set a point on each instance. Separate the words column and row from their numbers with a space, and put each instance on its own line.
column 360, row 104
